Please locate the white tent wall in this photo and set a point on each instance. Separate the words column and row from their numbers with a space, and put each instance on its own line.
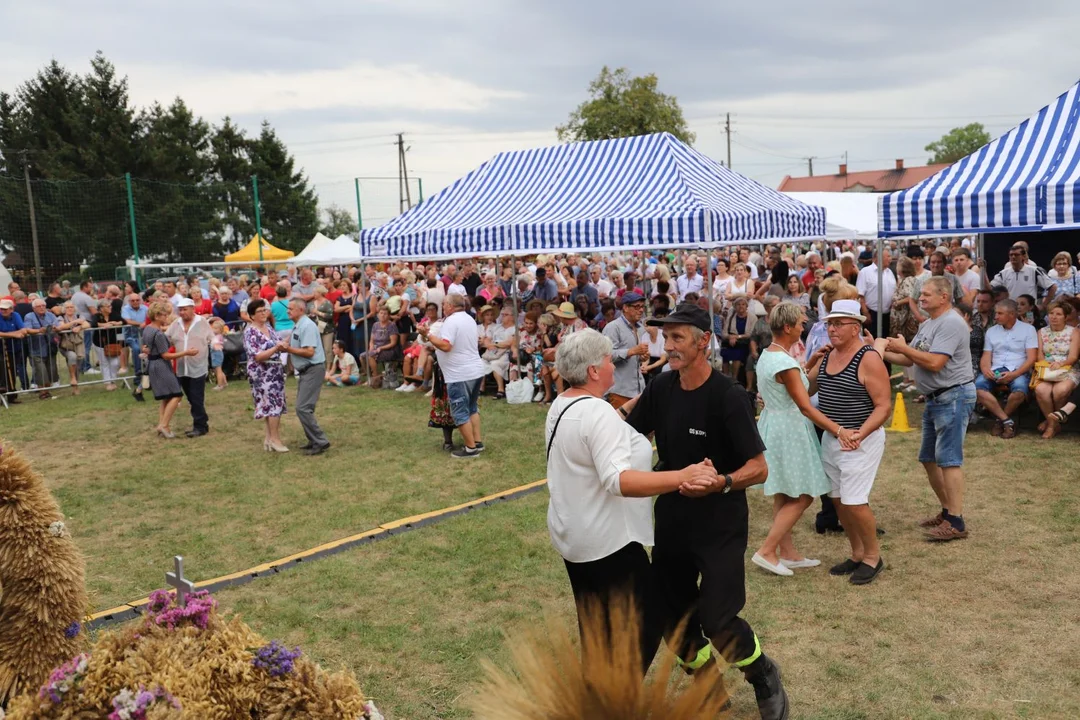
column 848, row 216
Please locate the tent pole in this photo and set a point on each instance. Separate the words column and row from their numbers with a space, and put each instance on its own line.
column 367, row 365
column 880, row 283
column 708, row 294
column 513, row 299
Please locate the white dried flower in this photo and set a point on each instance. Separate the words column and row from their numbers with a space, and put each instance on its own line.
column 57, row 529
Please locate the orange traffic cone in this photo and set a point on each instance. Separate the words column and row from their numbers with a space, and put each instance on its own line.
column 899, row 416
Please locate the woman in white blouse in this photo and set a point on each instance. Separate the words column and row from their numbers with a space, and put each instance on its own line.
column 600, row 482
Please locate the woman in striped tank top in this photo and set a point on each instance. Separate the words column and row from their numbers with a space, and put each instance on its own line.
column 853, row 391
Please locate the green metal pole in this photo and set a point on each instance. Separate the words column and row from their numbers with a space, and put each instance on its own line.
column 420, row 186
column 359, row 217
column 258, row 218
column 131, row 217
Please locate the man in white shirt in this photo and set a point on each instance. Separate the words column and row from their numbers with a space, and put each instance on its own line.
column 457, row 349
column 457, row 287
column 1009, row 353
column 867, row 285
column 689, row 281
column 1022, row 277
column 191, row 335
column 603, row 287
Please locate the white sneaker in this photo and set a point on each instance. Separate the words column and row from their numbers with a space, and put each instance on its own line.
column 408, row 388
column 538, row 396
column 429, row 393
column 795, row 564
column 56, row 384
column 766, row 565
column 399, row 388
column 92, row 371
column 33, row 386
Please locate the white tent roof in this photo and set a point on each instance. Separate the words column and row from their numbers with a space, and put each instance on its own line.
column 342, row 250
column 318, row 242
column 848, row 215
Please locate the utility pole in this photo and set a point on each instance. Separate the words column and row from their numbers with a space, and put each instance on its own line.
column 33, row 224
column 727, row 131
column 810, row 164
column 404, row 192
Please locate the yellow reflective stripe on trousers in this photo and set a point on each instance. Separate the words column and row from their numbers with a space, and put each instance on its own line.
column 752, row 658
column 700, row 659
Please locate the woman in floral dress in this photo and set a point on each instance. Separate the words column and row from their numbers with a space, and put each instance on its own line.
column 265, row 373
column 1059, row 345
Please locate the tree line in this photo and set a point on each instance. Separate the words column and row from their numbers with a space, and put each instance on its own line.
column 192, row 180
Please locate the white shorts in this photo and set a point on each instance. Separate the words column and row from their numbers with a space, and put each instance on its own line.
column 852, row 472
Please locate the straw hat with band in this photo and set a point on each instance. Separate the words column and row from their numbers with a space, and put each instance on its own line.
column 566, row 311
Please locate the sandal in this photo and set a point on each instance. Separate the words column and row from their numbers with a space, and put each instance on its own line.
column 1059, row 417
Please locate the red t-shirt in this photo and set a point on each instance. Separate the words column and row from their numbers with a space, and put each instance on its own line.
column 268, row 293
column 204, row 308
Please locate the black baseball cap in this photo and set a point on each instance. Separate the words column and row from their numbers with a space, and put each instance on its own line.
column 685, row 314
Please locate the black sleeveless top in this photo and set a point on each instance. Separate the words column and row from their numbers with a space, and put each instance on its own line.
column 841, row 397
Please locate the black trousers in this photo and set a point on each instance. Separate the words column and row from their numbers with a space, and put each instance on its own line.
column 709, row 547
column 195, row 392
column 625, row 573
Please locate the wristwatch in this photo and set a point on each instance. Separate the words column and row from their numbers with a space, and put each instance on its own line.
column 727, row 484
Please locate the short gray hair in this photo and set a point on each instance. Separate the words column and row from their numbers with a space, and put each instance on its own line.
column 941, row 285
column 1009, row 306
column 578, row 352
column 785, row 315
column 458, row 302
column 299, row 303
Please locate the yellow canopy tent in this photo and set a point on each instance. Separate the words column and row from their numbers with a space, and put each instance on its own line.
column 250, row 252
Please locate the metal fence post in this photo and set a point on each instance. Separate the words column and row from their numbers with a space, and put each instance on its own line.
column 131, row 217
column 258, row 217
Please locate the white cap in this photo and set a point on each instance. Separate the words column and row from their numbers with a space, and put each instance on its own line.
column 185, row 302
column 846, row 309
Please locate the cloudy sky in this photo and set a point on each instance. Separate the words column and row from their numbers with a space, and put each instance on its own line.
column 466, row 79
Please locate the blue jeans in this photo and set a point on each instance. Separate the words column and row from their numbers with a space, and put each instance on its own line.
column 136, row 348
column 463, row 396
column 944, row 426
column 1019, row 385
column 88, row 342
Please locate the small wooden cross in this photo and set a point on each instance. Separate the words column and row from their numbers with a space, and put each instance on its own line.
column 177, row 580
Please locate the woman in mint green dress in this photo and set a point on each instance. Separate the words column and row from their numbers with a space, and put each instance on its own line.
column 793, row 453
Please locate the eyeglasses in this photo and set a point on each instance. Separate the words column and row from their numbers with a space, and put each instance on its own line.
column 840, row 323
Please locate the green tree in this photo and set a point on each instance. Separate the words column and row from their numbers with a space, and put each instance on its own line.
column 176, row 212
column 623, row 106
column 338, row 221
column 957, row 143
column 289, row 208
column 232, row 190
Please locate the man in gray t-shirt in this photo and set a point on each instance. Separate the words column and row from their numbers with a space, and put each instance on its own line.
column 941, row 355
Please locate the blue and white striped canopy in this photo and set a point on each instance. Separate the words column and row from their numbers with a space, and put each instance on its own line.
column 634, row 193
column 1026, row 180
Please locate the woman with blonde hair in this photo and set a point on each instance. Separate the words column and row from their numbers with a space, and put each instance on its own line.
column 1059, row 352
column 72, row 341
column 1064, row 276
column 793, row 453
column 163, row 381
column 741, row 284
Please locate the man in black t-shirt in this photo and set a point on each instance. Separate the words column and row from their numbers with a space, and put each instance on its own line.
column 697, row 414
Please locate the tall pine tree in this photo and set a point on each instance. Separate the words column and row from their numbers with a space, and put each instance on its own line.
column 232, row 188
column 290, row 209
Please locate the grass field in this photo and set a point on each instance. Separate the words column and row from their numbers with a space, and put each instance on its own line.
column 981, row 628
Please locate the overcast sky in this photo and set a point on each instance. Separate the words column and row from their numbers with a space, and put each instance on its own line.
column 466, row 79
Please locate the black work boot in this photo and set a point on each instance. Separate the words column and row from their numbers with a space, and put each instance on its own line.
column 772, row 700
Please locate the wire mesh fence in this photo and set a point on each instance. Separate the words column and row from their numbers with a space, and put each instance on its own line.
column 55, row 231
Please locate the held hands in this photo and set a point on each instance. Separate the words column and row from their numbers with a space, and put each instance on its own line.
column 1056, row 365
column 849, row 439
column 699, row 480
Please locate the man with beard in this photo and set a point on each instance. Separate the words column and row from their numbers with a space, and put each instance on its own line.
column 698, row 414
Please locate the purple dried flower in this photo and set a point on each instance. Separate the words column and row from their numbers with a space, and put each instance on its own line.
column 200, row 605
column 276, row 659
column 72, row 630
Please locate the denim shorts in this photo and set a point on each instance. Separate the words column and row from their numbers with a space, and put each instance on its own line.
column 463, row 396
column 1019, row 385
column 944, row 426
column 217, row 357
